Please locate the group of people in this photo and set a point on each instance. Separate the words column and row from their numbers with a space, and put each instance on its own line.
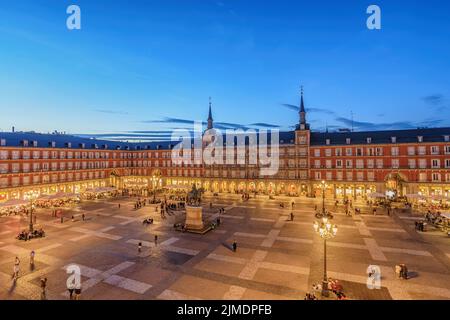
column 401, row 270
column 28, row 235
column 16, row 273
column 140, row 203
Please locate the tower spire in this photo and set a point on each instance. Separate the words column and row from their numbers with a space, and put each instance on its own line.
column 210, row 118
column 302, row 113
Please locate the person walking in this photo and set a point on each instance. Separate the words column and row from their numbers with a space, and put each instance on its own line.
column 156, row 240
column 140, row 247
column 78, row 291
column 62, row 219
column 43, row 288
column 234, row 245
column 32, row 254
column 83, row 216
column 292, row 216
column 119, row 205
column 16, row 269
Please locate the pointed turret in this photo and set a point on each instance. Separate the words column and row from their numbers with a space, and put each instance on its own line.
column 302, row 113
column 210, row 118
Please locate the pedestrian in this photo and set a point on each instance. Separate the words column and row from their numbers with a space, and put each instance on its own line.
column 234, row 246
column 140, row 247
column 62, row 219
column 292, row 216
column 374, row 211
column 83, row 216
column 16, row 268
column 389, row 211
column 119, row 205
column 210, row 205
column 71, row 289
column 32, row 254
column 156, row 239
column 43, row 288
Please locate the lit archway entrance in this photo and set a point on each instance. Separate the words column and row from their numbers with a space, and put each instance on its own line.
column 395, row 185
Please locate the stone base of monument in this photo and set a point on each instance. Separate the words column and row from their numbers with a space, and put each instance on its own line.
column 194, row 220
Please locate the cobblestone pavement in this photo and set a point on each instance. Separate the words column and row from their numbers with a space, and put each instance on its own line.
column 276, row 258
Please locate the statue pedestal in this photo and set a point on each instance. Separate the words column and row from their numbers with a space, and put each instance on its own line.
column 194, row 218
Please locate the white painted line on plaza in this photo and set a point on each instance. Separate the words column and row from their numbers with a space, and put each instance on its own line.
column 49, row 247
column 295, row 240
column 408, row 251
column 375, row 251
column 363, row 229
column 5, row 232
column 252, row 266
column 250, row 235
column 411, row 218
column 263, row 220
column 234, row 293
column 110, row 277
column 223, row 258
column 284, row 268
column 271, row 238
column 128, row 284
column 166, row 246
column 174, row 295
column 101, row 233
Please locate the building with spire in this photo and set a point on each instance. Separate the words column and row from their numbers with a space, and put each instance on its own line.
column 353, row 164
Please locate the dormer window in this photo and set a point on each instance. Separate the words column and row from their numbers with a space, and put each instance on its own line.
column 24, row 143
column 446, row 138
column 52, row 144
column 82, row 145
column 420, row 139
column 394, row 139
column 105, row 146
column 327, row 142
column 35, row 143
column 369, row 140
column 2, row 142
column 68, row 145
column 348, row 141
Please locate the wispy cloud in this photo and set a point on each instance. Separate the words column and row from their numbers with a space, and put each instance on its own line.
column 111, row 111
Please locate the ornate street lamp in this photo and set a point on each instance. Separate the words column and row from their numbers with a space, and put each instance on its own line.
column 324, row 187
column 326, row 230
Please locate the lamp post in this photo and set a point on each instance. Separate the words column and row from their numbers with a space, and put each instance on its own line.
column 32, row 197
column 326, row 230
column 324, row 187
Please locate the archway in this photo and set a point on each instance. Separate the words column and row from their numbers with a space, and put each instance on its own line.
column 394, row 183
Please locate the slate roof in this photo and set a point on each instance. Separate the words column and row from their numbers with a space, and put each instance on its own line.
column 286, row 137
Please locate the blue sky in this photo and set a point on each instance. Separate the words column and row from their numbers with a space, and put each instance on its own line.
column 140, row 67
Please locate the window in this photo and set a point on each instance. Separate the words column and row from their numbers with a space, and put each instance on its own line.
column 411, row 151
column 348, row 141
column 328, row 164
column 328, row 152
column 380, row 163
column 447, row 149
column 339, row 175
column 436, row 177
column 412, row 163
column 422, row 177
column 360, row 164
column 360, row 176
column 338, row 152
column 316, row 152
column 329, row 175
column 422, row 163
column 378, row 151
column 348, row 163
column 359, row 152
column 435, row 163
column 348, row 151
column 447, row 163
column 318, row 176
column 349, row 175
column 422, row 151
column 328, row 142
column 446, row 138
column 395, row 163
column 434, row 150
column 370, row 176
column 370, row 164
column 338, row 163
column 317, row 164
column 395, row 151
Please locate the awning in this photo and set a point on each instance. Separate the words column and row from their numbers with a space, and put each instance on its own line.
column 14, row 203
column 376, row 195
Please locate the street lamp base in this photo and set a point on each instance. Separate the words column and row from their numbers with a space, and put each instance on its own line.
column 325, row 292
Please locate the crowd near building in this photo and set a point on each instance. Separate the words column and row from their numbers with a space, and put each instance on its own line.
column 394, row 163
